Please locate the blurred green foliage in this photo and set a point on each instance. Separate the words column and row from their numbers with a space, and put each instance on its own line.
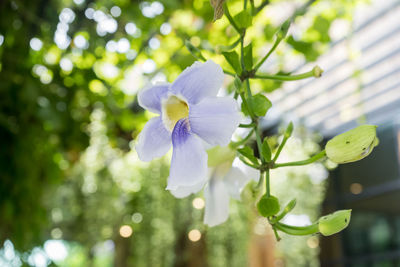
column 69, row 74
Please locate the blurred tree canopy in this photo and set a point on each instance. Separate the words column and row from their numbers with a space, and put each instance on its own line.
column 69, row 73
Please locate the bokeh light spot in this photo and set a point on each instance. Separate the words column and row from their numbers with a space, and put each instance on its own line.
column 125, row 231
column 115, row 11
column 66, row 64
column 55, row 250
column 137, row 217
column 165, row 28
column 198, row 203
column 81, row 42
column 356, row 188
column 149, row 66
column 313, row 242
column 194, row 235
column 36, row 44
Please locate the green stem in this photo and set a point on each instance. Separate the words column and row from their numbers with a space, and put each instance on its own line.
column 230, row 47
column 277, row 41
column 248, row 163
column 278, row 238
column 243, row 141
column 242, row 96
column 250, row 125
column 297, row 230
column 267, row 187
column 284, row 77
column 261, row 6
column 229, row 17
column 252, row 6
column 229, row 73
column 259, row 143
column 248, row 91
column 302, row 162
column 242, row 49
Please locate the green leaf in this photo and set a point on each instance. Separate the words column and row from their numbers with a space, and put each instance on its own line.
column 259, row 104
column 268, row 206
column 194, row 50
column 248, row 57
column 334, row 223
column 243, row 19
column 233, row 59
column 352, row 145
column 266, row 151
column 248, row 153
column 306, row 48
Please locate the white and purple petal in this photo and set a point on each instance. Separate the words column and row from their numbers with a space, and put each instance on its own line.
column 189, row 159
column 154, row 140
column 199, row 81
column 214, row 119
column 238, row 177
column 150, row 97
column 235, row 181
column 217, row 202
column 184, row 191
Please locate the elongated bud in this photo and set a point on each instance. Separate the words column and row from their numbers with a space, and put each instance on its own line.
column 284, row 29
column 289, row 130
column 218, row 6
column 353, row 145
column 290, row 206
column 334, row 223
column 317, row 71
column 268, row 206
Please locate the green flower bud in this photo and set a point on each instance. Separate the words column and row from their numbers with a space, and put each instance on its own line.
column 289, row 130
column 290, row 206
column 268, row 206
column 353, row 145
column 334, row 223
column 284, row 29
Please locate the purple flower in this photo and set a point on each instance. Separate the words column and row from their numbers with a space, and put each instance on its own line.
column 191, row 116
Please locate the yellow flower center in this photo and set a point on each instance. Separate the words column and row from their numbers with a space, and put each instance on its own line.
column 174, row 109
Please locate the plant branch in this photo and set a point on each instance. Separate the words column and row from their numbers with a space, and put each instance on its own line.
column 277, row 41
column 243, row 141
column 315, row 72
column 250, row 125
column 302, row 162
